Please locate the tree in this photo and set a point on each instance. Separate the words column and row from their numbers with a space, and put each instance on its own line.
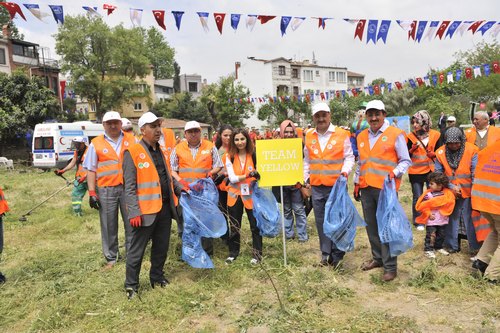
column 182, row 106
column 159, row 53
column 177, row 77
column 276, row 112
column 5, row 19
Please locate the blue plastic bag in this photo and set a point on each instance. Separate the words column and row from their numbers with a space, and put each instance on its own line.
column 394, row 227
column 202, row 218
column 266, row 211
column 341, row 217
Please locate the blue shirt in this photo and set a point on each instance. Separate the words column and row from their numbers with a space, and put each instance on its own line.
column 90, row 162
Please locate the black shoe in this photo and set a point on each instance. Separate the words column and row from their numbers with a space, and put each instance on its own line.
column 3, row 279
column 480, row 265
column 130, row 293
column 162, row 283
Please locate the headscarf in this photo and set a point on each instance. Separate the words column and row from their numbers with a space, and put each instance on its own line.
column 423, row 118
column 453, row 135
column 287, row 123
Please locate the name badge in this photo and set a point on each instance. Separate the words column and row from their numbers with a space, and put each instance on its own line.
column 244, row 189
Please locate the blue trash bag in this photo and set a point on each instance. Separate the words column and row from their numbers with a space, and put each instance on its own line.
column 341, row 217
column 394, row 227
column 202, row 218
column 266, row 211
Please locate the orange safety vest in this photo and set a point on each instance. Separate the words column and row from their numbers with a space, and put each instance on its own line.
column 193, row 169
column 234, row 189
column 377, row 163
column 481, row 225
column 486, row 187
column 222, row 186
column 493, row 135
column 421, row 164
column 109, row 164
column 300, row 133
column 168, row 139
column 462, row 176
column 325, row 166
column 3, row 203
column 80, row 172
column 445, row 204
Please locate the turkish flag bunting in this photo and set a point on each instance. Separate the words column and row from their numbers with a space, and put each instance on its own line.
column 360, row 28
column 322, row 96
column 398, row 85
column 376, row 89
column 354, row 92
column 160, row 18
column 265, row 18
column 109, row 8
column 219, row 20
column 496, row 67
column 282, row 98
column 441, row 78
column 442, row 29
column 413, row 30
column 337, row 93
column 13, row 9
column 468, row 73
column 420, row 81
column 473, row 27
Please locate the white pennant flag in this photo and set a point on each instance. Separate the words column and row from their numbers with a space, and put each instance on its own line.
column 477, row 71
column 464, row 27
column 35, row 10
column 431, row 30
column 382, row 89
column 427, row 81
column 251, row 20
column 405, row 25
column 204, row 20
column 296, row 22
column 91, row 11
column 449, row 77
column 495, row 30
column 136, row 16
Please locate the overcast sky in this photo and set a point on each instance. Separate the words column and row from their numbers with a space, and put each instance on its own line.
column 213, row 55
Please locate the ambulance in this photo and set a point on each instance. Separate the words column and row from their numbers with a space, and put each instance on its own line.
column 52, row 142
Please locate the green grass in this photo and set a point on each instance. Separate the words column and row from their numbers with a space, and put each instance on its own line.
column 56, row 283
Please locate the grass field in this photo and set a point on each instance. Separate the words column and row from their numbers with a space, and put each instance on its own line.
column 56, row 283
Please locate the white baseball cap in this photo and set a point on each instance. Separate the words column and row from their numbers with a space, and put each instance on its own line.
column 147, row 118
column 451, row 118
column 321, row 106
column 111, row 115
column 126, row 123
column 191, row 125
column 78, row 139
column 375, row 104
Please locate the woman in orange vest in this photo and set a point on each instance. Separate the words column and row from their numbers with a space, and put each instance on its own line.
column 240, row 166
column 3, row 209
column 421, row 146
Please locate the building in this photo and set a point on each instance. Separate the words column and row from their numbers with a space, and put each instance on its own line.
column 355, row 80
column 192, row 83
column 164, row 89
column 177, row 126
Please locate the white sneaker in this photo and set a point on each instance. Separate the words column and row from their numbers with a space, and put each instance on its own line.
column 229, row 260
column 254, row 261
column 473, row 258
column 430, row 254
column 420, row 228
column 444, row 252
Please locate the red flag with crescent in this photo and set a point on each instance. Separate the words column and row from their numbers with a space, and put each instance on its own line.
column 420, row 81
column 13, row 9
column 496, row 67
column 473, row 27
column 442, row 29
column 354, row 92
column 360, row 28
column 265, row 18
column 413, row 30
column 308, row 98
column 322, row 95
column 109, row 8
column 441, row 78
column 398, row 85
column 219, row 20
column 468, row 73
column 160, row 18
column 337, row 93
column 376, row 89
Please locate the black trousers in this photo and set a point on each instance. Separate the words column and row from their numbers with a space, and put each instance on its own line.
column 234, row 239
column 438, row 241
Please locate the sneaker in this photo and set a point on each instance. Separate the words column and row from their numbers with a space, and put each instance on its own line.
column 254, row 261
column 130, row 293
column 473, row 258
column 444, row 252
column 229, row 260
column 430, row 254
column 420, row 228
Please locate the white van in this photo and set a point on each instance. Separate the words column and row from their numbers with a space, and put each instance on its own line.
column 52, row 146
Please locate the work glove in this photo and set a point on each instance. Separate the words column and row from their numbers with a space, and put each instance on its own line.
column 82, row 179
column 254, row 174
column 185, row 185
column 210, row 175
column 344, row 174
column 58, row 172
column 94, row 200
column 218, row 179
column 431, row 155
column 198, row 187
column 136, row 222
column 413, row 148
column 356, row 194
column 391, row 175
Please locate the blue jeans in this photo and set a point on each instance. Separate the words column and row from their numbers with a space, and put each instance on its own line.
column 417, row 189
column 1, row 234
column 293, row 205
column 463, row 210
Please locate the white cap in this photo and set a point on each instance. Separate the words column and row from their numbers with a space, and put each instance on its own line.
column 147, row 118
column 451, row 118
column 78, row 139
column 375, row 104
column 126, row 123
column 321, row 106
column 191, row 125
column 111, row 115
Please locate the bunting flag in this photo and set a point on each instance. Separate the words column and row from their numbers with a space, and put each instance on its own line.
column 420, row 31
column 405, row 25
column 13, row 9
column 370, row 90
column 160, row 18
column 486, row 69
column 251, row 20
column 178, row 18
column 371, row 31
column 473, row 27
column 431, row 30
column 285, row 21
column 136, row 16
column 382, row 88
column 458, row 75
column 496, row 67
column 360, row 28
column 420, row 81
column 265, row 18
column 322, row 21
column 464, row 27
column 427, row 81
column 449, row 77
column 477, row 71
column 91, row 11
column 398, row 85
column 453, row 27
column 296, row 22
column 376, row 89
column 442, row 29
column 412, row 83
column 35, row 10
column 485, row 27
column 389, row 86
column 235, row 20
column 108, row 8
column 441, row 78
column 383, row 30
column 434, row 80
column 354, row 92
column 413, row 30
column 496, row 29
column 219, row 21
column 203, row 19
column 468, row 73
column 58, row 13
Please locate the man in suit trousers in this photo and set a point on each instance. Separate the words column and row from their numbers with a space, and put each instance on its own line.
column 149, row 190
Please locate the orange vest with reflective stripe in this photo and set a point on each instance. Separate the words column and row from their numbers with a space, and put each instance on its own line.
column 325, row 166
column 3, row 203
column 377, row 163
column 462, row 176
column 233, row 190
column 193, row 169
column 109, row 165
column 493, row 135
column 222, row 186
column 80, row 172
column 421, row 164
column 168, row 139
column 481, row 225
column 486, row 187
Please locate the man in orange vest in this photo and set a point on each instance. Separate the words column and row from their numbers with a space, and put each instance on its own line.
column 4, row 208
column 486, row 199
column 382, row 153
column 103, row 163
column 482, row 135
column 149, row 191
column 327, row 155
column 194, row 159
column 80, row 183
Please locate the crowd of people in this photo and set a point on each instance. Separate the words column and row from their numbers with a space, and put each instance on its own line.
column 143, row 177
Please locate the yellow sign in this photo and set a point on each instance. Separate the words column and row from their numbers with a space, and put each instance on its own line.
column 280, row 162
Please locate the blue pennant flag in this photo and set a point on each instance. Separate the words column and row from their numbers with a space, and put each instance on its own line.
column 58, row 13
column 486, row 27
column 412, row 83
column 420, row 30
column 327, row 94
column 434, row 79
column 383, row 30
column 370, row 90
column 178, row 18
column 235, row 20
column 371, row 32
column 458, row 75
column 486, row 69
column 389, row 86
column 343, row 93
column 285, row 21
column 274, row 99
column 452, row 28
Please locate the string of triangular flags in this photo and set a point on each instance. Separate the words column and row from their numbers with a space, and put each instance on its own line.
column 433, row 80
column 370, row 29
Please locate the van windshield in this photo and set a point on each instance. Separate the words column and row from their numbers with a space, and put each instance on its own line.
column 44, row 142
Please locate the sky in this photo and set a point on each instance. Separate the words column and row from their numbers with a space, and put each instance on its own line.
column 213, row 55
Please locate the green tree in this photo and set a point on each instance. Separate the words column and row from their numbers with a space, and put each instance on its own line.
column 5, row 19
column 177, row 77
column 159, row 53
column 276, row 112
column 183, row 106
column 400, row 102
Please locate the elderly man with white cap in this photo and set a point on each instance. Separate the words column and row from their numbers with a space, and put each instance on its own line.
column 382, row 153
column 149, row 190
column 327, row 156
column 103, row 163
column 194, row 159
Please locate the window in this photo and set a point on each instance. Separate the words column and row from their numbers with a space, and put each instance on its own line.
column 295, row 73
column 3, row 60
column 281, row 70
column 308, row 75
column 137, row 106
column 24, row 51
column 55, row 85
column 317, row 73
column 44, row 142
column 193, row 86
column 331, row 76
column 341, row 77
column 295, row 90
column 141, row 88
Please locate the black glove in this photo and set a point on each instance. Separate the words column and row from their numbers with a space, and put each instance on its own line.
column 255, row 174
column 219, row 178
column 94, row 200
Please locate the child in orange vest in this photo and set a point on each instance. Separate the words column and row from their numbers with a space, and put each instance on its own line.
column 3, row 209
column 435, row 206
